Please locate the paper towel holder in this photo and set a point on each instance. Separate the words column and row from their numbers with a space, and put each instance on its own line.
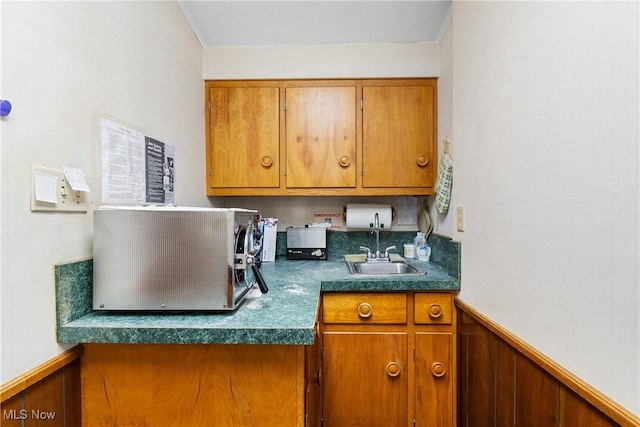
column 394, row 214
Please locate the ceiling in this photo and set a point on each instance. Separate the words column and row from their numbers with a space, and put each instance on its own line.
column 256, row 23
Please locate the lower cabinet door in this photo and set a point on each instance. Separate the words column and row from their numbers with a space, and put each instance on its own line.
column 365, row 379
column 434, row 379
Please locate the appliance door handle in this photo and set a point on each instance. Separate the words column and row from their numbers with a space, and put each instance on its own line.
column 261, row 283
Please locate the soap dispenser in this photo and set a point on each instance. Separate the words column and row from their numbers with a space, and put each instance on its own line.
column 419, row 242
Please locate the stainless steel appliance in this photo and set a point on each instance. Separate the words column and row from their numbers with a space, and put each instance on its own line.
column 175, row 258
column 304, row 242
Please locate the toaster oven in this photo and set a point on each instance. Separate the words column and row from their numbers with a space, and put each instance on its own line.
column 175, row 258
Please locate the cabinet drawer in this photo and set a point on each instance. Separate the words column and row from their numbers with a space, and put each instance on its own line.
column 432, row 308
column 364, row 308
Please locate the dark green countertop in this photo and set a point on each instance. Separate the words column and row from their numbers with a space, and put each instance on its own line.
column 286, row 315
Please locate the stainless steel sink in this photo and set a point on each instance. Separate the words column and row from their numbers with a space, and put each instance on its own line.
column 383, row 268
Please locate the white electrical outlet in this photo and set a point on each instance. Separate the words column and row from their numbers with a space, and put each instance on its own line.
column 50, row 192
column 460, row 218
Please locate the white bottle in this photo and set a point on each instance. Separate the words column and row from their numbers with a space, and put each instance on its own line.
column 419, row 242
column 424, row 253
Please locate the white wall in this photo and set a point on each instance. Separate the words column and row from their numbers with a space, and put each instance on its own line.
column 442, row 223
column 1, row 195
column 63, row 65
column 321, row 61
column 546, row 134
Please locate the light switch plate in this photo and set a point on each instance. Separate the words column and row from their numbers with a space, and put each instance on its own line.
column 67, row 200
column 460, row 218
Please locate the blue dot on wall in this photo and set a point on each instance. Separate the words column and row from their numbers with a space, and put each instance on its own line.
column 5, row 107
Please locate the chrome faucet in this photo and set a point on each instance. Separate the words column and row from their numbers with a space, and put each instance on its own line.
column 376, row 229
column 377, row 256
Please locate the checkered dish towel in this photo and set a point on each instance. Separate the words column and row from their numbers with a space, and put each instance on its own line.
column 443, row 183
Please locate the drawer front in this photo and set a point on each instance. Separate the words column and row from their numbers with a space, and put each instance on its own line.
column 364, row 308
column 432, row 308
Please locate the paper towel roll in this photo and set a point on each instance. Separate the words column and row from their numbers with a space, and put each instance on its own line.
column 362, row 215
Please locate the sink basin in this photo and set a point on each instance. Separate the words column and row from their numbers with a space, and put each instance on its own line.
column 383, row 268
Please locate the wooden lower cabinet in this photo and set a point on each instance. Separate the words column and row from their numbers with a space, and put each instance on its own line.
column 194, row 385
column 434, row 368
column 388, row 359
column 365, row 378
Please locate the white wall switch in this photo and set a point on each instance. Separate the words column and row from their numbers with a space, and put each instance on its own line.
column 460, row 218
column 51, row 192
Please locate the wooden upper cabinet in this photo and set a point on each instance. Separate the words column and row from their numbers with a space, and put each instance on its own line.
column 365, row 137
column 321, row 137
column 399, row 135
column 244, row 137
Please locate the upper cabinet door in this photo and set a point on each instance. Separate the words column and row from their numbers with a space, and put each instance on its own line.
column 321, row 137
column 243, row 145
column 398, row 137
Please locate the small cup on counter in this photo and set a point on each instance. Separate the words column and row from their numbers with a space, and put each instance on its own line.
column 409, row 250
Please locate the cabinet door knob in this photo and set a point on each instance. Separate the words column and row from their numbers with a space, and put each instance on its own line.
column 422, row 160
column 344, row 161
column 365, row 310
column 392, row 369
column 438, row 369
column 266, row 161
column 435, row 311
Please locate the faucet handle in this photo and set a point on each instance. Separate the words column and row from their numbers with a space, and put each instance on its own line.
column 386, row 251
column 367, row 250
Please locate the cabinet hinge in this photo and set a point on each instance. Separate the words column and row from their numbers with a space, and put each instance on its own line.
column 284, row 104
column 414, row 354
column 209, row 170
column 209, row 102
column 361, row 104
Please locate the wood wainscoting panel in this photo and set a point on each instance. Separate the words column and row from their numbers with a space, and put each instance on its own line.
column 48, row 395
column 577, row 412
column 11, row 415
column 486, row 377
column 505, row 382
column 481, row 374
column 44, row 404
column 72, row 394
column 537, row 395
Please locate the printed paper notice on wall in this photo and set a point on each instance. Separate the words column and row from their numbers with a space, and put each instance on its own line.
column 159, row 172
column 329, row 216
column 136, row 169
column 75, row 178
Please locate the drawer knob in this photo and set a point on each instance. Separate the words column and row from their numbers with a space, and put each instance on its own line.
column 435, row 311
column 392, row 369
column 344, row 161
column 266, row 161
column 422, row 160
column 438, row 369
column 365, row 310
